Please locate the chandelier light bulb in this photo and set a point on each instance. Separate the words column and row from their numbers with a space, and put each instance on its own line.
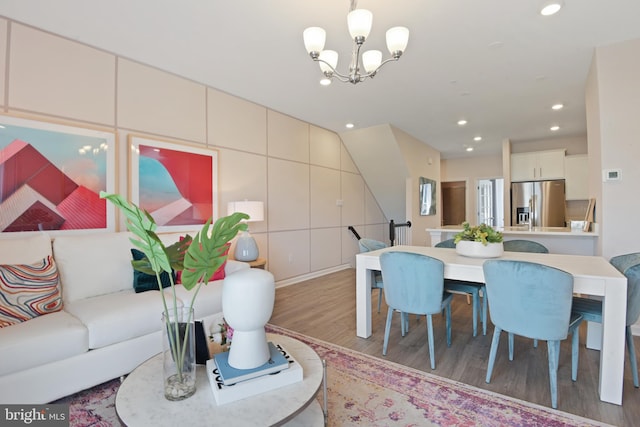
column 397, row 39
column 330, row 58
column 314, row 38
column 371, row 60
column 359, row 22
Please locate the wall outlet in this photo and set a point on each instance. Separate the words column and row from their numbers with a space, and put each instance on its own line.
column 290, row 258
column 339, row 202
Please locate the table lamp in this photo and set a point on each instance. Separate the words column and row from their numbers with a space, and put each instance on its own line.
column 246, row 247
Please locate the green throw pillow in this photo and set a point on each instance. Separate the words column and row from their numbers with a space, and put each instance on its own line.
column 146, row 282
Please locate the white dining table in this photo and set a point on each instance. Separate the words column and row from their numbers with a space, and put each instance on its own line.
column 592, row 275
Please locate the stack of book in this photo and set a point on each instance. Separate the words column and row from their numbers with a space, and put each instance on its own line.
column 230, row 384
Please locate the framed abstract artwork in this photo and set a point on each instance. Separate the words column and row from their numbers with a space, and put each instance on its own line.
column 177, row 184
column 427, row 196
column 51, row 176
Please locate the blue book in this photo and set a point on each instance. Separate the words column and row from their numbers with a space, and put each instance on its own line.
column 230, row 375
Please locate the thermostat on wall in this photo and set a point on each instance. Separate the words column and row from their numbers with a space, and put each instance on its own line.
column 611, row 175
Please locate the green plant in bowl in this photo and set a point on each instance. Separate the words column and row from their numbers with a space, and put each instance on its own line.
column 480, row 233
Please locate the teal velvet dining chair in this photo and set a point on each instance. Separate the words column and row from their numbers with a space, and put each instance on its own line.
column 591, row 309
column 414, row 284
column 534, row 301
column 524, row 246
column 470, row 289
column 367, row 245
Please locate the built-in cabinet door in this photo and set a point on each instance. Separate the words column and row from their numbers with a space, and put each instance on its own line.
column 576, row 170
column 537, row 165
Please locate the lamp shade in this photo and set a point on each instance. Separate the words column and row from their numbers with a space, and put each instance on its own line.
column 331, row 57
column 359, row 22
column 371, row 60
column 254, row 209
column 397, row 39
column 314, row 38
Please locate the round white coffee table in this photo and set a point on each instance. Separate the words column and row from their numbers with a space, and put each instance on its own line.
column 140, row 399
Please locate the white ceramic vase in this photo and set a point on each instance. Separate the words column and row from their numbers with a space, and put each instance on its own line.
column 478, row 250
column 247, row 304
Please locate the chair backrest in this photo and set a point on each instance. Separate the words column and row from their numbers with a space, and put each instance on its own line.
column 524, row 246
column 629, row 265
column 367, row 245
column 413, row 283
column 529, row 299
column 446, row 244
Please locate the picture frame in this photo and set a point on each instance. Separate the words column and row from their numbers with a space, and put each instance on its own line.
column 51, row 175
column 177, row 184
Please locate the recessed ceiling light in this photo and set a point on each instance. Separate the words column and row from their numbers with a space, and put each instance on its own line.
column 477, row 138
column 554, row 128
column 325, row 82
column 557, row 106
column 550, row 8
column 469, row 148
column 462, row 122
column 349, row 125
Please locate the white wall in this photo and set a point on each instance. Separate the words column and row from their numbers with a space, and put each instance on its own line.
column 613, row 108
column 299, row 170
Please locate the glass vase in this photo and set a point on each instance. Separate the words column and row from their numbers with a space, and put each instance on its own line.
column 179, row 353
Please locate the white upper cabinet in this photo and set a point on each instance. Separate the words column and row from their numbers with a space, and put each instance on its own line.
column 576, row 170
column 537, row 165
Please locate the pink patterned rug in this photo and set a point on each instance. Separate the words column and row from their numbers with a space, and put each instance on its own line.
column 368, row 391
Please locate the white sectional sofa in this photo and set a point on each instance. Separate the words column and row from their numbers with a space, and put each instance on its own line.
column 104, row 329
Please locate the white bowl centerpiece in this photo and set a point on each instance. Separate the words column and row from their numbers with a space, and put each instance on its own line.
column 480, row 241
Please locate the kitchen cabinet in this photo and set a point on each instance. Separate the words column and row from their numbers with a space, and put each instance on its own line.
column 537, row 165
column 576, row 171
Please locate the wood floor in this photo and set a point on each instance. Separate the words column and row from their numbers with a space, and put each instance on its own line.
column 324, row 308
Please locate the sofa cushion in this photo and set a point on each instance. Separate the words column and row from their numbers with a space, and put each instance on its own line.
column 93, row 264
column 120, row 316
column 28, row 291
column 143, row 282
column 25, row 249
column 41, row 340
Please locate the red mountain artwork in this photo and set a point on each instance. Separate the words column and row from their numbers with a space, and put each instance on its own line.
column 37, row 195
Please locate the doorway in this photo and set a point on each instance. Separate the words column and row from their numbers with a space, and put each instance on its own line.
column 454, row 202
column 491, row 202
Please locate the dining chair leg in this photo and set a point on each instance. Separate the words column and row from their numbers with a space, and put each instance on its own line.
column 379, row 299
column 387, row 328
column 575, row 353
column 432, row 356
column 485, row 309
column 476, row 306
column 553, row 349
column 510, row 346
column 632, row 356
column 492, row 353
column 448, row 323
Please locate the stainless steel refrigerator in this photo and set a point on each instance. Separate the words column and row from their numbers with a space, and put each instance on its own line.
column 541, row 202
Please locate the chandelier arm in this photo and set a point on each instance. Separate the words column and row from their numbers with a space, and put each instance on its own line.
column 333, row 70
column 373, row 73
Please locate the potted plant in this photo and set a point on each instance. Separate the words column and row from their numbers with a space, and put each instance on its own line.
column 197, row 258
column 480, row 241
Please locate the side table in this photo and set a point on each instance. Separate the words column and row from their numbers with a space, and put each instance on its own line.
column 140, row 399
column 258, row 263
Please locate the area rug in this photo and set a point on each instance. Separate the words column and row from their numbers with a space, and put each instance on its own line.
column 367, row 391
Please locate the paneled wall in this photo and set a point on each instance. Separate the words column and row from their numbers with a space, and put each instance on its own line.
column 299, row 170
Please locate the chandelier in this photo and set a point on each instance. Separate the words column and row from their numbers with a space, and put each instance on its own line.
column 359, row 22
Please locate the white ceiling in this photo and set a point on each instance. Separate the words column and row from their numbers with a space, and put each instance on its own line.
column 497, row 63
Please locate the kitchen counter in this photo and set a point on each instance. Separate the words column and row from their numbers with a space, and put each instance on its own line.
column 561, row 240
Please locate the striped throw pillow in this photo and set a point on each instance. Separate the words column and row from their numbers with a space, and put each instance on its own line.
column 28, row 291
